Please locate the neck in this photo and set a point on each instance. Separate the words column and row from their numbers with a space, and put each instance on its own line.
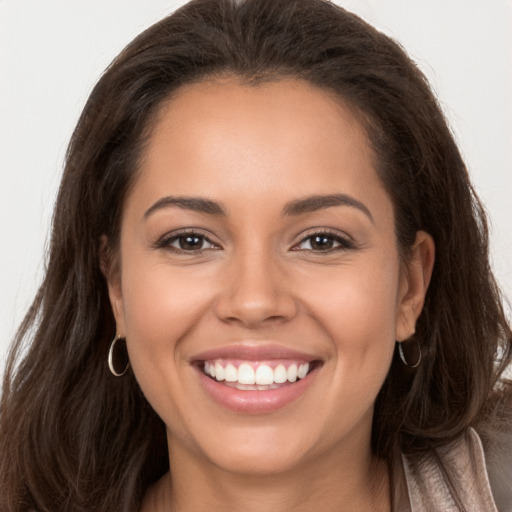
column 331, row 483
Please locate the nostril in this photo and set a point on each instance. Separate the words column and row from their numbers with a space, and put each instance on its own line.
column 252, row 312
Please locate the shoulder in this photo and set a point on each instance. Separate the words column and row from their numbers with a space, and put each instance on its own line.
column 462, row 475
column 497, row 445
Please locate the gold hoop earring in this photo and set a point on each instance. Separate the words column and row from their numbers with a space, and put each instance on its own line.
column 402, row 356
column 117, row 358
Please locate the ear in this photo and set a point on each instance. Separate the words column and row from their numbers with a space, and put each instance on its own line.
column 414, row 280
column 110, row 268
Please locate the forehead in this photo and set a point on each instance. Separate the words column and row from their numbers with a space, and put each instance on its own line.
column 291, row 114
column 280, row 139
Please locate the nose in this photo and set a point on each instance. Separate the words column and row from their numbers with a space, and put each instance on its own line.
column 256, row 292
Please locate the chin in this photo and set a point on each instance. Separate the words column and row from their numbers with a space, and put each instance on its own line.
column 264, row 451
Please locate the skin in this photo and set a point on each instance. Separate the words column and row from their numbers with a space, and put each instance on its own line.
column 257, row 280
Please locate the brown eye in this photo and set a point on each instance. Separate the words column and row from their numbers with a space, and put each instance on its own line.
column 190, row 242
column 186, row 243
column 324, row 242
column 321, row 242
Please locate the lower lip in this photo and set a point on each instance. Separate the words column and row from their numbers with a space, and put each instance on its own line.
column 255, row 402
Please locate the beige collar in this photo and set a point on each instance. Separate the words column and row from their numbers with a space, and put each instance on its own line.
column 450, row 478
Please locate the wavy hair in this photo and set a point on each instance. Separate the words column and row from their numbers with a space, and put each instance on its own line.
column 73, row 437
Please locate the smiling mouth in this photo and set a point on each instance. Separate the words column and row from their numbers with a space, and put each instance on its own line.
column 257, row 376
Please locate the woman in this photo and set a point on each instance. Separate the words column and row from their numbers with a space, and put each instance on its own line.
column 268, row 285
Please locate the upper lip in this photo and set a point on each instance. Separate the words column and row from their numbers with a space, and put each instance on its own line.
column 252, row 352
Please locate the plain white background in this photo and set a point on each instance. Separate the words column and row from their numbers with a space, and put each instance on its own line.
column 52, row 53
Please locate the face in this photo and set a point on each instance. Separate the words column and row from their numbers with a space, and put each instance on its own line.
column 260, row 288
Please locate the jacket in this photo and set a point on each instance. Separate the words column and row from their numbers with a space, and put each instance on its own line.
column 480, row 480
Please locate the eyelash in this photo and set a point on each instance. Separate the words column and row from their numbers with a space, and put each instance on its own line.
column 166, row 242
column 344, row 242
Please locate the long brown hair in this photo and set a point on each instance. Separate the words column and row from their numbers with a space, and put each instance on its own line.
column 73, row 437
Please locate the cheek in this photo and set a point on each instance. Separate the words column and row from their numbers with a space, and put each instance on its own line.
column 161, row 308
column 356, row 300
column 157, row 297
column 357, row 308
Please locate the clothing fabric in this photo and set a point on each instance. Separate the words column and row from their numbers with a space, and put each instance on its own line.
column 457, row 478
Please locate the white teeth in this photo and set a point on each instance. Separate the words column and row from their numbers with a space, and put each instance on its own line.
column 246, row 374
column 280, row 374
column 219, row 371
column 264, row 375
column 231, row 373
column 292, row 373
column 301, row 372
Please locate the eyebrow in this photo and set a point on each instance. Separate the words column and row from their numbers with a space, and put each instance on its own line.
column 319, row 202
column 197, row 204
column 293, row 208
